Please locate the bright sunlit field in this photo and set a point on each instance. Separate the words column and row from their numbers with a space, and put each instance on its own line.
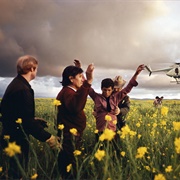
column 149, row 145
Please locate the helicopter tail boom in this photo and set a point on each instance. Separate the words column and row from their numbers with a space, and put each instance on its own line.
column 149, row 69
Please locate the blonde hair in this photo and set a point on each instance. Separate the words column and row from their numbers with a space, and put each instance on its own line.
column 25, row 63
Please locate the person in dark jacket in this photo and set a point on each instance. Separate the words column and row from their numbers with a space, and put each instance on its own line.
column 124, row 104
column 18, row 103
column 73, row 98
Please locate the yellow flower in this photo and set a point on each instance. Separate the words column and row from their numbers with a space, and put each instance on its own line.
column 99, row 154
column 163, row 123
column 139, row 136
column 177, row 145
column 19, row 121
column 1, row 169
column 108, row 134
column 6, row 137
column 73, row 131
column 123, row 153
column 125, row 131
column 102, row 137
column 154, row 115
column 176, row 126
column 154, row 125
column 141, row 152
column 119, row 132
column 115, row 122
column 77, row 153
column 108, row 118
column 56, row 102
column 138, row 124
column 169, row 169
column 159, row 177
column 147, row 168
column 68, row 168
column 61, row 126
column 164, row 111
column 96, row 131
column 34, row 176
column 132, row 133
column 12, row 149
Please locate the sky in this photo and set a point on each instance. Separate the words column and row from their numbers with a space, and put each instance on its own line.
column 116, row 35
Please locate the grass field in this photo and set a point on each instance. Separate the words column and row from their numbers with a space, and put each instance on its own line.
column 149, row 146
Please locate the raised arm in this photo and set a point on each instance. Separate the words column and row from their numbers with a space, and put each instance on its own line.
column 89, row 73
column 89, row 70
column 77, row 63
column 139, row 69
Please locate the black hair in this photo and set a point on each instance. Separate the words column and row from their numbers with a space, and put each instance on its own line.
column 107, row 83
column 70, row 71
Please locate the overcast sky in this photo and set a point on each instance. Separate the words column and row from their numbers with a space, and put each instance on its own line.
column 116, row 35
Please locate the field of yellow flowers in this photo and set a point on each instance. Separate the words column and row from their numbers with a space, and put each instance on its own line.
column 148, row 147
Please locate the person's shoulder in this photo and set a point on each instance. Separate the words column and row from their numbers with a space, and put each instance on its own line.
column 126, row 98
column 67, row 90
column 15, row 84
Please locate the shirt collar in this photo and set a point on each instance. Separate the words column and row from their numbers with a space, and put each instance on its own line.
column 72, row 88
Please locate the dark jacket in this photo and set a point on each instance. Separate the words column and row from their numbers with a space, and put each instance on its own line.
column 124, row 106
column 70, row 112
column 18, row 102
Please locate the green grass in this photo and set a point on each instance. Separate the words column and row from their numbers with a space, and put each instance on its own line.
column 148, row 127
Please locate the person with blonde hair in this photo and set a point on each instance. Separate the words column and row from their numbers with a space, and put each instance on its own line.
column 18, row 104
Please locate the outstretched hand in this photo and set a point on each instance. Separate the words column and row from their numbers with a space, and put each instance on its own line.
column 140, row 68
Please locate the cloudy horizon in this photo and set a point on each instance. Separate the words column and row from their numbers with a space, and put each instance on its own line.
column 115, row 35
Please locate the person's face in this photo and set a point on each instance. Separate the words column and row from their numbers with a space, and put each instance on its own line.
column 34, row 72
column 117, row 89
column 106, row 92
column 77, row 81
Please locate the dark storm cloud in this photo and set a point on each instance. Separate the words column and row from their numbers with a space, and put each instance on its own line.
column 115, row 35
column 109, row 33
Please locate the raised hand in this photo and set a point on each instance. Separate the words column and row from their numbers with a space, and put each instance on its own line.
column 138, row 70
column 77, row 63
column 89, row 73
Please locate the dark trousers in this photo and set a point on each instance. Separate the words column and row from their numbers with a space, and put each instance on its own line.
column 66, row 156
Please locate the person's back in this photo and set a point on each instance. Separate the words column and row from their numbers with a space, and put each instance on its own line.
column 14, row 106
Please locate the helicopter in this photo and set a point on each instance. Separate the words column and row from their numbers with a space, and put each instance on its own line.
column 172, row 71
